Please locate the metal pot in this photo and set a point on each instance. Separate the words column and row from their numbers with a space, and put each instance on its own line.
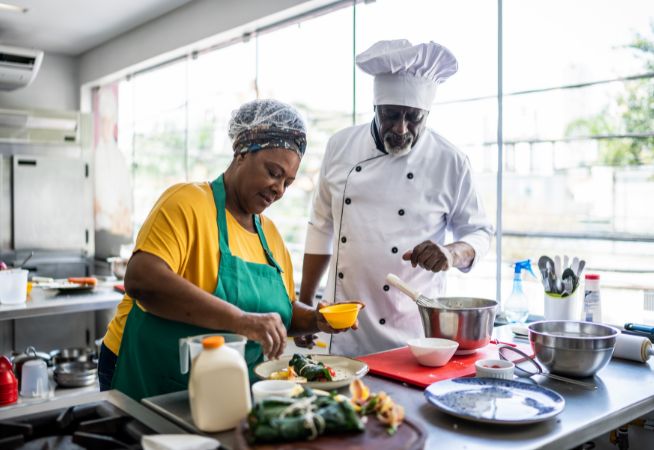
column 30, row 353
column 466, row 320
column 79, row 354
column 76, row 373
column 576, row 349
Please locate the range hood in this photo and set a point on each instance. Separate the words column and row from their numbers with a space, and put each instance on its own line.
column 39, row 127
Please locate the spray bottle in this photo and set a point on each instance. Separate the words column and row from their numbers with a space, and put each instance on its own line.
column 516, row 307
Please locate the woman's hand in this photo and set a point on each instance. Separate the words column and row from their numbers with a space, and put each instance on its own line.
column 324, row 326
column 266, row 329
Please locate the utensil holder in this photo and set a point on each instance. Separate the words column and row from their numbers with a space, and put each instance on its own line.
column 561, row 308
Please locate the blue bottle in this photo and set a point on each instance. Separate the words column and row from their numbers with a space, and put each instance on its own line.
column 516, row 307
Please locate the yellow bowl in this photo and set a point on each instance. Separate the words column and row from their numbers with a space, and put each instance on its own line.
column 342, row 315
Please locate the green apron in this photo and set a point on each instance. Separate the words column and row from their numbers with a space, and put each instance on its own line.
column 148, row 362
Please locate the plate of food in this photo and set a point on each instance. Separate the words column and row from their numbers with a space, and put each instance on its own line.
column 315, row 371
column 73, row 284
column 493, row 400
column 329, row 421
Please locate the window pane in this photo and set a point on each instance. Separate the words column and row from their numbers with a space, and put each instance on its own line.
column 159, row 126
column 310, row 66
column 469, row 125
column 219, row 82
column 561, row 42
column 579, row 162
column 471, row 37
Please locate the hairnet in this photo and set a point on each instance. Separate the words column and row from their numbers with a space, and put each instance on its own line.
column 269, row 123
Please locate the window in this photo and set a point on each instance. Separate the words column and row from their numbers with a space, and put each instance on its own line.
column 577, row 133
column 571, row 113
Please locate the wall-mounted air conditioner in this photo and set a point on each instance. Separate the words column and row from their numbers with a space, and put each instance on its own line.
column 18, row 66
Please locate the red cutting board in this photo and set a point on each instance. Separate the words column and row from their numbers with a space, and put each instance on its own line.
column 400, row 364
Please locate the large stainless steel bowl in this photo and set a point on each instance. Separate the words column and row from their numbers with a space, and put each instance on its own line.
column 576, row 349
column 466, row 320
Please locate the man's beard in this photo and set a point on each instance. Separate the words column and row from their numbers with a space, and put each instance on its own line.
column 397, row 145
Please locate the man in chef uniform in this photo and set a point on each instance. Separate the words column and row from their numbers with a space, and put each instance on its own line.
column 387, row 193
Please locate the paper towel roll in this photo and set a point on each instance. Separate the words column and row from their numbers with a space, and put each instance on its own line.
column 636, row 348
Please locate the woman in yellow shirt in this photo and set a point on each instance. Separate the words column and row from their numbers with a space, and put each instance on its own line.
column 206, row 259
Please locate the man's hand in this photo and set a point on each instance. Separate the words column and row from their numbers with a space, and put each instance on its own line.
column 430, row 256
column 266, row 329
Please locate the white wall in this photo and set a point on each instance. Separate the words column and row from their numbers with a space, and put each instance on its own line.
column 56, row 87
column 193, row 25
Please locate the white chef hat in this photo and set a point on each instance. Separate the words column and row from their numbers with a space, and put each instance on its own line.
column 407, row 74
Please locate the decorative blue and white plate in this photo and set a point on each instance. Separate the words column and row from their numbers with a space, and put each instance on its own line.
column 491, row 400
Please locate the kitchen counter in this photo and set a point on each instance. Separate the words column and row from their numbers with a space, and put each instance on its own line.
column 625, row 392
column 42, row 303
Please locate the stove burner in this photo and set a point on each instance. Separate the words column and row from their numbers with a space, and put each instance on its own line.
column 94, row 426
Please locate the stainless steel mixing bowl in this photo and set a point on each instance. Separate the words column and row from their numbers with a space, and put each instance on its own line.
column 576, row 349
column 466, row 320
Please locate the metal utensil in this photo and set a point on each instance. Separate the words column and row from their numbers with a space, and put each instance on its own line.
column 468, row 321
column 526, row 366
column 582, row 264
column 415, row 296
column 575, row 265
column 569, row 281
column 543, row 263
column 20, row 266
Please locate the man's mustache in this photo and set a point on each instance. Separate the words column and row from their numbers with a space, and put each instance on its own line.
column 398, row 140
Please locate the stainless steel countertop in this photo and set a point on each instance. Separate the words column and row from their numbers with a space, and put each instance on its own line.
column 118, row 399
column 625, row 392
column 42, row 303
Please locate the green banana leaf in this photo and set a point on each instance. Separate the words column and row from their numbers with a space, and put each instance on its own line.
column 329, row 416
column 306, row 367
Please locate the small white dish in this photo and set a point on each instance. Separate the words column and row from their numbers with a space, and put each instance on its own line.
column 433, row 352
column 494, row 368
column 273, row 388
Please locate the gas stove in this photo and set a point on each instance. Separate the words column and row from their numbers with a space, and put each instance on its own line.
column 108, row 420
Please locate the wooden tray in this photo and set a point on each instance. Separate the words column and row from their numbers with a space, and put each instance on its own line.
column 409, row 436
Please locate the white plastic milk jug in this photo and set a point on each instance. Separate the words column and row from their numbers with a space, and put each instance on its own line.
column 219, row 387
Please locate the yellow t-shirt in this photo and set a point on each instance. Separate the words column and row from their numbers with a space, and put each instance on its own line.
column 182, row 230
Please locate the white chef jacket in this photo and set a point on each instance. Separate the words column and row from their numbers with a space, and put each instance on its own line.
column 369, row 208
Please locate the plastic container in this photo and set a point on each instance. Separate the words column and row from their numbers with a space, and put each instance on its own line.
column 516, row 307
column 13, row 286
column 342, row 315
column 34, row 381
column 592, row 306
column 219, row 387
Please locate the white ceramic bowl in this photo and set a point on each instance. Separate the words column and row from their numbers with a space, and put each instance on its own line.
column 434, row 352
column 494, row 368
column 273, row 388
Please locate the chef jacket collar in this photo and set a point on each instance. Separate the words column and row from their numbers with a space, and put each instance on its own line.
column 379, row 144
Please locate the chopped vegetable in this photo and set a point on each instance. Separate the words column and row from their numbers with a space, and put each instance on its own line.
column 386, row 411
